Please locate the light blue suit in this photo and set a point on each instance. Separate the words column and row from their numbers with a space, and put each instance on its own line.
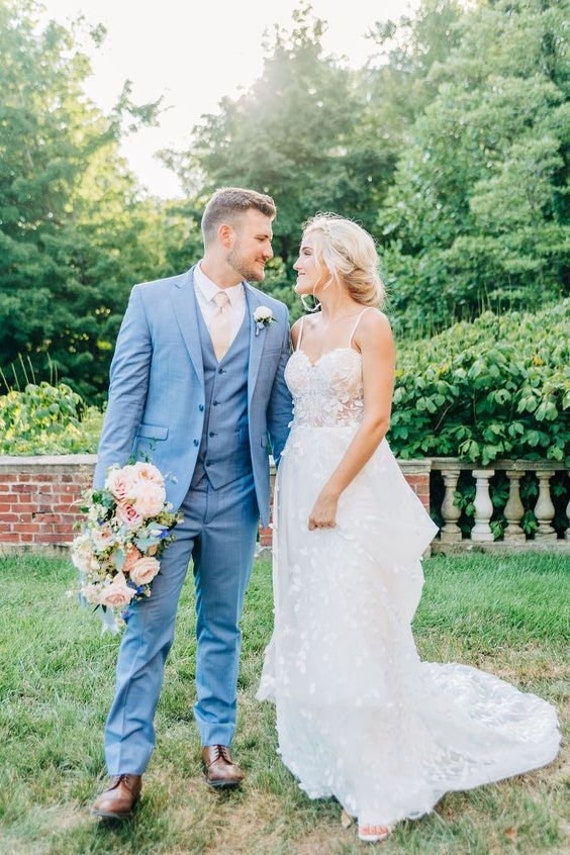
column 158, row 408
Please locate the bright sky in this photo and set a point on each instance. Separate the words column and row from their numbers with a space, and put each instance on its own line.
column 195, row 53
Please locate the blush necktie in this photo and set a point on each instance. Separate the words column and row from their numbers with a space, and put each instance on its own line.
column 221, row 325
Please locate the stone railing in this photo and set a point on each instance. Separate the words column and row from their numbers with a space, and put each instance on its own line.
column 451, row 538
column 39, row 507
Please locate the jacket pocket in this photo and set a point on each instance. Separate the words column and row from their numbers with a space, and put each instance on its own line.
column 152, row 431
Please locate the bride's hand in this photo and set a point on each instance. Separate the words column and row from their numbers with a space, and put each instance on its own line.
column 323, row 514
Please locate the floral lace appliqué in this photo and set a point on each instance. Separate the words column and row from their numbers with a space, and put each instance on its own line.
column 328, row 392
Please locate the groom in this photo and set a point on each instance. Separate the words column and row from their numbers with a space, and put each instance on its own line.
column 197, row 387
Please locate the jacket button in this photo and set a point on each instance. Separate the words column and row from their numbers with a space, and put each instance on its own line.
column 196, row 442
column 201, row 407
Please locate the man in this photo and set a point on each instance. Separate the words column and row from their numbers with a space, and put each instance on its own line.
column 198, row 388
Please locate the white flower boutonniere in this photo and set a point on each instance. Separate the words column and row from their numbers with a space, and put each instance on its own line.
column 263, row 316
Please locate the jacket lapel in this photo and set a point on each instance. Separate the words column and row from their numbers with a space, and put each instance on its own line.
column 256, row 342
column 185, row 310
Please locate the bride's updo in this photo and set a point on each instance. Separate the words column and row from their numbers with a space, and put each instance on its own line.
column 349, row 253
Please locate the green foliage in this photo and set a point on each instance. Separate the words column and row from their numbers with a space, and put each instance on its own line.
column 452, row 146
column 305, row 132
column 74, row 233
column 46, row 419
column 477, row 216
column 496, row 388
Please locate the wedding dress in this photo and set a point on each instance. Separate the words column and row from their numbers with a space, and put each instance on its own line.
column 359, row 716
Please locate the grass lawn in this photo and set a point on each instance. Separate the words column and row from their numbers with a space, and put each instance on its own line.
column 508, row 615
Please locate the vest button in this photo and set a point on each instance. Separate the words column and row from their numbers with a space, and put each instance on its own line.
column 215, row 403
column 201, row 407
column 196, row 442
column 211, row 433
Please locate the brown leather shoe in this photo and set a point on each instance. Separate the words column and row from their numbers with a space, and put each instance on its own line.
column 118, row 801
column 221, row 771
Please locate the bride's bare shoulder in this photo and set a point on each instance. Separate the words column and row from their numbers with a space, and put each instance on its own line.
column 374, row 331
column 374, row 320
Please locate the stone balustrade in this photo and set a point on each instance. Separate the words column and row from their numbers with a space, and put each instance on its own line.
column 481, row 535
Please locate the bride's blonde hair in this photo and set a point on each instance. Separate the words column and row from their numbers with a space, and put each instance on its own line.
column 349, row 253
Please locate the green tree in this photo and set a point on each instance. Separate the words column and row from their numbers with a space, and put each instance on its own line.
column 477, row 216
column 301, row 133
column 75, row 233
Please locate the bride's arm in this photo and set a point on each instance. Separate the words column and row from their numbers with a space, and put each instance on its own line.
column 375, row 341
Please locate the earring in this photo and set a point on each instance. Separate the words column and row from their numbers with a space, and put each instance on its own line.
column 306, row 306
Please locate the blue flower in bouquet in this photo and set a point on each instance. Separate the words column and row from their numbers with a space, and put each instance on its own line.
column 125, row 529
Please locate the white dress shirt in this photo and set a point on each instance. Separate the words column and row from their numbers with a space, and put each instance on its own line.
column 206, row 290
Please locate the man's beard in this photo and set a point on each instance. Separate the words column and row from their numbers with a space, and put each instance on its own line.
column 245, row 268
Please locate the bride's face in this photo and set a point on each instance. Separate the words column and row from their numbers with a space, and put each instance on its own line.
column 311, row 274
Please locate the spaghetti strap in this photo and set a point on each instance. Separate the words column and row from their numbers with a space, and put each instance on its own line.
column 298, row 345
column 356, row 324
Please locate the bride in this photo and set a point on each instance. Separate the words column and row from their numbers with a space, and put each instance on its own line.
column 359, row 716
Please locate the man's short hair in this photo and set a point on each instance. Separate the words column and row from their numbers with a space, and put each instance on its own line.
column 228, row 203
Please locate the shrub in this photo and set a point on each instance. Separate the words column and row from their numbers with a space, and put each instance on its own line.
column 495, row 388
column 46, row 419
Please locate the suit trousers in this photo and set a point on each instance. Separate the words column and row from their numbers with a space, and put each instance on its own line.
column 218, row 534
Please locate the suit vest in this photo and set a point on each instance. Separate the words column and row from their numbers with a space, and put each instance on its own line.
column 224, row 454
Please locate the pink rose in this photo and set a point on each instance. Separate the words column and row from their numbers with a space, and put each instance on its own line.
column 118, row 594
column 129, row 515
column 142, row 471
column 119, row 482
column 144, row 571
column 102, row 537
column 148, row 498
column 133, row 555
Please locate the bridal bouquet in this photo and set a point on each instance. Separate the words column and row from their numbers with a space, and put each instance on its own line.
column 127, row 524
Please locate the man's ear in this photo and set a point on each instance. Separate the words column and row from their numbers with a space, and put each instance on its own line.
column 226, row 234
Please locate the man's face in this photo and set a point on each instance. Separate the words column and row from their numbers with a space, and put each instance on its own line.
column 251, row 245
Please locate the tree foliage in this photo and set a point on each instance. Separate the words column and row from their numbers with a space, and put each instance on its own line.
column 74, row 234
column 477, row 216
column 451, row 146
column 302, row 133
column 495, row 388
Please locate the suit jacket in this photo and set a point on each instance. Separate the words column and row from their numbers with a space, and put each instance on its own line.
column 156, row 391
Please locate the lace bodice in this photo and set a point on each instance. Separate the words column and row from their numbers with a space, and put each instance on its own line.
column 328, row 392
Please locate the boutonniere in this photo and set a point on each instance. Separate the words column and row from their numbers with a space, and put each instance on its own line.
column 263, row 316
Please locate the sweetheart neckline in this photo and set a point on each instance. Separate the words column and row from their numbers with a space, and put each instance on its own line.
column 326, row 353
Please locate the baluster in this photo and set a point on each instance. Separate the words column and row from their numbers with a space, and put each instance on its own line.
column 514, row 509
column 481, row 531
column 544, row 509
column 450, row 532
column 567, row 532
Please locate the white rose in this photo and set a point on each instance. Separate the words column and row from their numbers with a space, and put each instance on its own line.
column 263, row 315
column 81, row 553
column 91, row 594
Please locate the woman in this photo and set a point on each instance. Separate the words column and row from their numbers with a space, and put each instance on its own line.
column 359, row 717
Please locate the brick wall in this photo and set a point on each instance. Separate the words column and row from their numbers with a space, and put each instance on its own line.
column 39, row 495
